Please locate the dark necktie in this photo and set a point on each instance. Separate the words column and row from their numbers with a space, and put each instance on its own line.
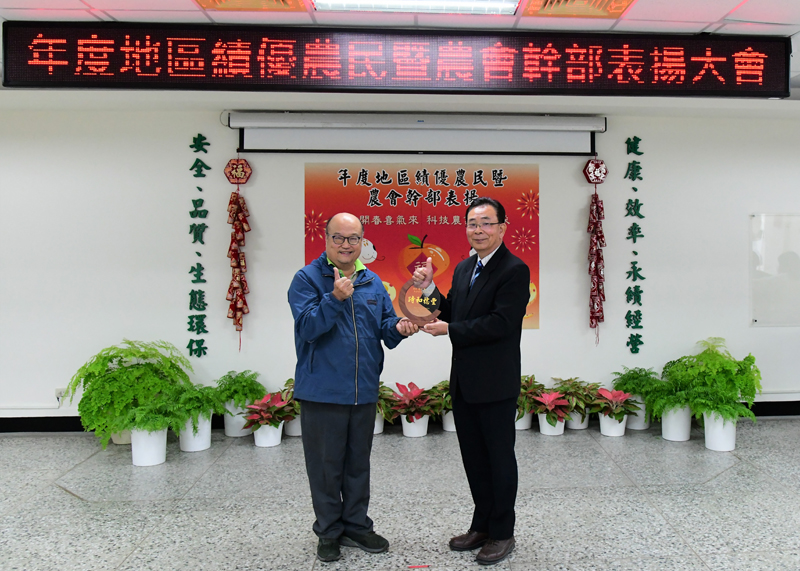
column 478, row 269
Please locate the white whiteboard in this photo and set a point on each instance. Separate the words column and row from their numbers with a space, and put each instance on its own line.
column 775, row 270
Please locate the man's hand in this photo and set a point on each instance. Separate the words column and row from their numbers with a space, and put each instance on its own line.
column 406, row 328
column 342, row 286
column 423, row 275
column 436, row 328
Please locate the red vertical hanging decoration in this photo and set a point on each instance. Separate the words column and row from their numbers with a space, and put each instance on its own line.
column 595, row 172
column 238, row 172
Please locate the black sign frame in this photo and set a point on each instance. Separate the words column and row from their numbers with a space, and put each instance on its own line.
column 496, row 47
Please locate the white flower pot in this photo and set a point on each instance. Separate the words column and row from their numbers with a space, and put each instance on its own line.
column 191, row 442
column 638, row 422
column 234, row 425
column 546, row 429
column 267, row 436
column 610, row 426
column 523, row 423
column 292, row 427
column 449, row 421
column 148, row 448
column 123, row 437
column 417, row 428
column 577, row 423
column 720, row 433
column 379, row 420
column 676, row 424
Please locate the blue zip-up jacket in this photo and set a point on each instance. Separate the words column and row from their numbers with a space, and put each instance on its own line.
column 338, row 343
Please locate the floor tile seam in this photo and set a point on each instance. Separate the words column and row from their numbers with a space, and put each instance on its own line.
column 647, row 499
column 145, row 536
column 74, row 466
column 781, row 485
column 204, row 472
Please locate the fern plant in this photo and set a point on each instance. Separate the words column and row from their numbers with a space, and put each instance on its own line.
column 579, row 394
column 637, row 381
column 134, row 385
column 673, row 392
column 241, row 388
column 114, row 361
column 199, row 401
column 528, row 391
column 720, row 383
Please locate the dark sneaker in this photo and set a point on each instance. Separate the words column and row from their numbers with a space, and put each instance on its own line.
column 328, row 550
column 370, row 542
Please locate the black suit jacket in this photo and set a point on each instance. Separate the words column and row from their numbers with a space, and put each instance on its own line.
column 485, row 326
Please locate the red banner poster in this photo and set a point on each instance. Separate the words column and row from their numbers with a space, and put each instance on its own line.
column 412, row 212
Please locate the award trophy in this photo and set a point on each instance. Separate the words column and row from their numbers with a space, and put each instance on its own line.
column 418, row 320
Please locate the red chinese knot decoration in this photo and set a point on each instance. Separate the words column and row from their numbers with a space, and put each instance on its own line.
column 238, row 171
column 596, row 172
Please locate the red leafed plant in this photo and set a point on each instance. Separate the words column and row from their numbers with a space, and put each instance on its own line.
column 615, row 404
column 411, row 402
column 270, row 410
column 553, row 405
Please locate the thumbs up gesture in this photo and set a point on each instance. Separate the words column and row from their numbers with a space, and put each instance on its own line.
column 423, row 275
column 342, row 286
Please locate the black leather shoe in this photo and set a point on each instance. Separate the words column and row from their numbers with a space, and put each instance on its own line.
column 495, row 551
column 328, row 550
column 468, row 541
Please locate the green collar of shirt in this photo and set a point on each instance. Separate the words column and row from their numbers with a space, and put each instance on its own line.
column 359, row 264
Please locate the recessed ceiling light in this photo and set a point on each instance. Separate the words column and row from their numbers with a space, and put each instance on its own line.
column 501, row 7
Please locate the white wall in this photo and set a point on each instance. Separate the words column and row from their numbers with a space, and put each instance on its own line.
column 94, row 247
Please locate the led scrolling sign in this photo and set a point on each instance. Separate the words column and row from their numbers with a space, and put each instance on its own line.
column 43, row 55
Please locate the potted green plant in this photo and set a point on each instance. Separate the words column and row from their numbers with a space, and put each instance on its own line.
column 669, row 401
column 640, row 382
column 133, row 386
column 196, row 404
column 292, row 427
column 580, row 395
column 412, row 404
column 384, row 412
column 723, row 390
column 442, row 404
column 266, row 417
column 237, row 390
column 613, row 408
column 529, row 388
column 553, row 411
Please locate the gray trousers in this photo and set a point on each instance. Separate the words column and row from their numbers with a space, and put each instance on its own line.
column 337, row 442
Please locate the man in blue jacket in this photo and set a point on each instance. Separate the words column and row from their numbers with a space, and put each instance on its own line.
column 341, row 314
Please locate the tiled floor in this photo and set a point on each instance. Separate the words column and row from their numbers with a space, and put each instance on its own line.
column 586, row 502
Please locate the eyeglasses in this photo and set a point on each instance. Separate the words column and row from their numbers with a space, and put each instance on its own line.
column 352, row 240
column 484, row 225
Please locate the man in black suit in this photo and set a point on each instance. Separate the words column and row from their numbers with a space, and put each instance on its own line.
column 483, row 315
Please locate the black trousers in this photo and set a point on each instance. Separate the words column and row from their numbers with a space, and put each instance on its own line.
column 337, row 442
column 486, row 436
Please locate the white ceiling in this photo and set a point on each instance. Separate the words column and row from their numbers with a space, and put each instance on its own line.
column 752, row 17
